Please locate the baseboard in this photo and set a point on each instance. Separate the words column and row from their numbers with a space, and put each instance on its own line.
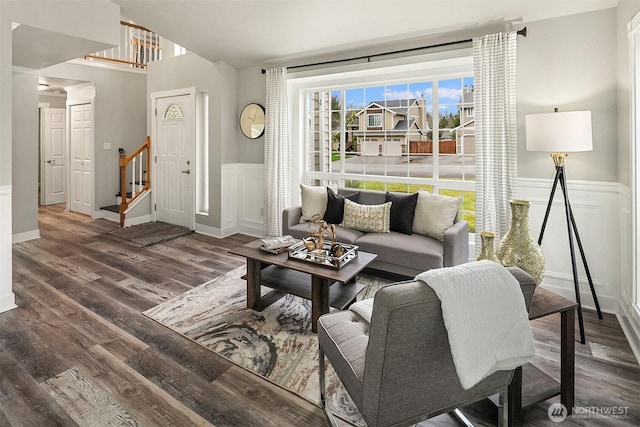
column 108, row 215
column 26, row 236
column 251, row 230
column 216, row 232
column 631, row 329
column 7, row 302
column 128, row 222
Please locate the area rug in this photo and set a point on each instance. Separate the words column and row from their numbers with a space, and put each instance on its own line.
column 276, row 343
column 150, row 233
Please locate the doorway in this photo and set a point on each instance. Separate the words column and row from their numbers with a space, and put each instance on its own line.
column 174, row 144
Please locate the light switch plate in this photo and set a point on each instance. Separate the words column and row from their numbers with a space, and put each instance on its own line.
column 106, row 146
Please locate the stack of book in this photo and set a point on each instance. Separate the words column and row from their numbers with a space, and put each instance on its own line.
column 278, row 244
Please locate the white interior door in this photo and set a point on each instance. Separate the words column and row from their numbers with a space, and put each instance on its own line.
column 81, row 147
column 53, row 185
column 175, row 160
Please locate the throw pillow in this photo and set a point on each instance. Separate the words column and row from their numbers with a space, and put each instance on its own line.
column 367, row 218
column 402, row 211
column 335, row 206
column 314, row 201
column 434, row 214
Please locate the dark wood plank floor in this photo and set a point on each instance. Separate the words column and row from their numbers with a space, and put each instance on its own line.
column 78, row 351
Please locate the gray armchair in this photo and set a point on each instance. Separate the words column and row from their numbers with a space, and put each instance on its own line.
column 398, row 369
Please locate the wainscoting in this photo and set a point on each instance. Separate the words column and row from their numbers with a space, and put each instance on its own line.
column 7, row 297
column 602, row 215
column 242, row 199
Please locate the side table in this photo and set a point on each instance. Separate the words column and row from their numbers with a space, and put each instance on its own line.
column 530, row 385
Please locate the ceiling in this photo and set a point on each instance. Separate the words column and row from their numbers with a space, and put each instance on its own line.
column 246, row 33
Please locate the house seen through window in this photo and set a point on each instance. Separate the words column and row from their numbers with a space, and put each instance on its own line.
column 400, row 136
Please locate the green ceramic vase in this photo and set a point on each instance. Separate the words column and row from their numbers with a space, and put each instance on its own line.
column 518, row 247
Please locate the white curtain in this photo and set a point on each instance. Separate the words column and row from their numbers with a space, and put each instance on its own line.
column 494, row 58
column 277, row 151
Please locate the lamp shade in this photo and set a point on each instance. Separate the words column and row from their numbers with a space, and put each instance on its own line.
column 559, row 132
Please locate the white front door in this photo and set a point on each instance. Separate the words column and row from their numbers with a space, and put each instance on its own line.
column 53, row 156
column 174, row 182
column 81, row 147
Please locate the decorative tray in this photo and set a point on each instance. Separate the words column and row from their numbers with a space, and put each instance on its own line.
column 323, row 257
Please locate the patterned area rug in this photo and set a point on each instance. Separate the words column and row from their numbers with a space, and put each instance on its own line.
column 150, row 233
column 276, row 343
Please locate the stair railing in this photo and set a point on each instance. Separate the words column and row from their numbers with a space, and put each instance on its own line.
column 139, row 176
column 138, row 46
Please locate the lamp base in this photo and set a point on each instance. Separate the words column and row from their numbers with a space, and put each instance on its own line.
column 572, row 231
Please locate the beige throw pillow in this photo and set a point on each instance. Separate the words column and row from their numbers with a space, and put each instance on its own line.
column 434, row 213
column 314, row 201
column 367, row 218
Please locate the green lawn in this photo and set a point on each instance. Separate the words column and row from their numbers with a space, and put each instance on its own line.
column 467, row 206
column 335, row 155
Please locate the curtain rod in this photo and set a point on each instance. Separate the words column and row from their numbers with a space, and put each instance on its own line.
column 522, row 32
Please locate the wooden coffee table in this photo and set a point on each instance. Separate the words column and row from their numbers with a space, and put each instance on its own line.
column 325, row 286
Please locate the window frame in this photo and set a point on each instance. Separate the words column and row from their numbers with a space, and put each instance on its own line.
column 374, row 116
column 435, row 66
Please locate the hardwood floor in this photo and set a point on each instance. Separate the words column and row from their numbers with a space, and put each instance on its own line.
column 78, row 351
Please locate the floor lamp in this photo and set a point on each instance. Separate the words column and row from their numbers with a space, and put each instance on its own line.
column 560, row 133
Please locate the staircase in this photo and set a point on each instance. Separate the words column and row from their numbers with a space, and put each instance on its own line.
column 134, row 169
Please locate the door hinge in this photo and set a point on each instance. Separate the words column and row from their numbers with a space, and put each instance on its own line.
column 155, row 159
column 156, row 111
column 155, row 207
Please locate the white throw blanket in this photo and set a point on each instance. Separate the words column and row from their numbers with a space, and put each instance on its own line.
column 485, row 316
column 363, row 308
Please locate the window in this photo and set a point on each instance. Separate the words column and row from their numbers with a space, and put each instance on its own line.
column 422, row 145
column 173, row 112
column 375, row 120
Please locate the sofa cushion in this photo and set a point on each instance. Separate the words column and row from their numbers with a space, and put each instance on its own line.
column 335, row 206
column 367, row 218
column 372, row 197
column 434, row 213
column 314, row 202
column 412, row 250
column 402, row 209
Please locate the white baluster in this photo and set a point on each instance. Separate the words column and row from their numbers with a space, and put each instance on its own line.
column 141, row 162
column 133, row 178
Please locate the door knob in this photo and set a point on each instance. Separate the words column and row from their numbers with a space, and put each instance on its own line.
column 51, row 161
column 188, row 171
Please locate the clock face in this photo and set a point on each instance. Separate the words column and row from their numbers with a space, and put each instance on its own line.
column 252, row 121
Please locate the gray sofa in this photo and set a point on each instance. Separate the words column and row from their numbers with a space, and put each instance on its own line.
column 398, row 369
column 398, row 253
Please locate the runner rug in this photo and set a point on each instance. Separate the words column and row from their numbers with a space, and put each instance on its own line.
column 276, row 343
column 150, row 233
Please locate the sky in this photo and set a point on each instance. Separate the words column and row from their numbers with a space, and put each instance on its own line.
column 449, row 93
